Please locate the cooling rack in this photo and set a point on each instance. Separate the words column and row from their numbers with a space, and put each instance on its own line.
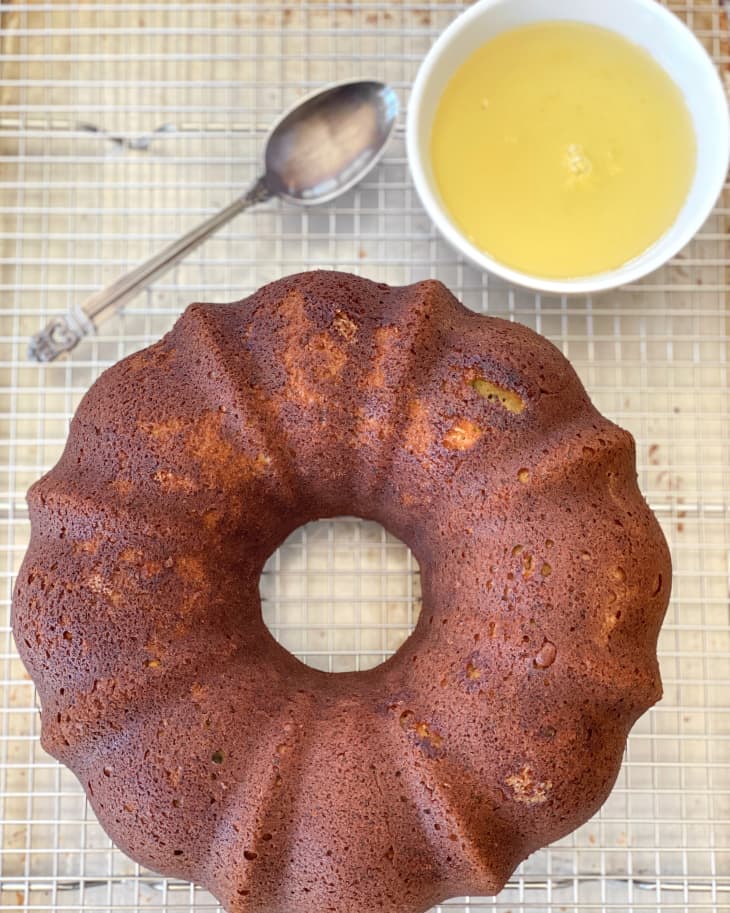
column 121, row 125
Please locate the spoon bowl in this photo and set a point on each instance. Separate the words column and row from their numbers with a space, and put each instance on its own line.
column 329, row 141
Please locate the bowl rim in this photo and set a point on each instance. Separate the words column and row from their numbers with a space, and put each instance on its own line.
column 639, row 267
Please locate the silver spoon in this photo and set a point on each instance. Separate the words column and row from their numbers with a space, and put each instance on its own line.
column 317, row 150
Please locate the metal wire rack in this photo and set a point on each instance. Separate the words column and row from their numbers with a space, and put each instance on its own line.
column 121, row 124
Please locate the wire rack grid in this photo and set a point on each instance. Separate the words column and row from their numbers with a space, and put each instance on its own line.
column 121, row 124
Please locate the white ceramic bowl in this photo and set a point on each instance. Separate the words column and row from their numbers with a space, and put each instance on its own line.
column 646, row 23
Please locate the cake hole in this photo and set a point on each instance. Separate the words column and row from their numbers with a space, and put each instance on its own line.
column 546, row 655
column 342, row 594
column 406, row 719
column 217, row 757
column 250, row 855
column 503, row 396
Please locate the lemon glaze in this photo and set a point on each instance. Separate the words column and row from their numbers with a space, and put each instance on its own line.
column 561, row 149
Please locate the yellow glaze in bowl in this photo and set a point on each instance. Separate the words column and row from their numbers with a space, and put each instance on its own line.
column 562, row 149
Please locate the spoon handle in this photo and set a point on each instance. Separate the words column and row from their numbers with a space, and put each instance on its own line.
column 63, row 333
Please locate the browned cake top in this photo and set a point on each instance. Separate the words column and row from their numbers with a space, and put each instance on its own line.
column 208, row 751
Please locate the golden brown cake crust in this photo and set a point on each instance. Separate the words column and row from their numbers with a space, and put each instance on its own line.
column 208, row 751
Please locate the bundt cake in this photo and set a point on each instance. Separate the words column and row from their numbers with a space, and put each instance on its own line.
column 208, row 751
